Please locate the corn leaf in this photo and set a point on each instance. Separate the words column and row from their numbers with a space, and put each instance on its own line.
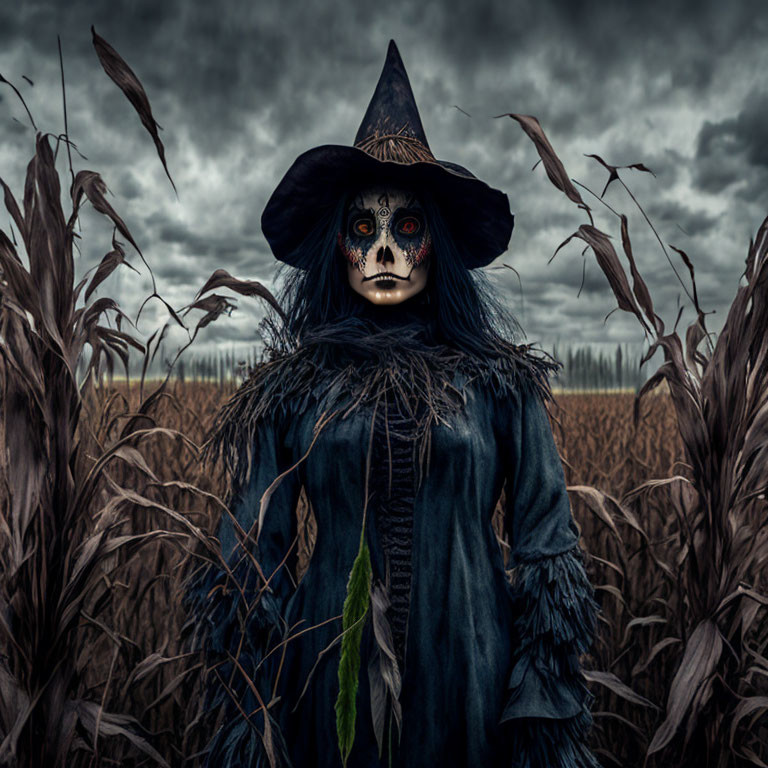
column 355, row 609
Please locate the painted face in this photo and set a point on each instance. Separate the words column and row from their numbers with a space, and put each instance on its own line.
column 387, row 245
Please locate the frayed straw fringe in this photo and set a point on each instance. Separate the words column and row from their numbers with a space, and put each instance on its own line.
column 556, row 611
column 352, row 365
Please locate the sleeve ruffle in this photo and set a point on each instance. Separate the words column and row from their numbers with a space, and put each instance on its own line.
column 225, row 622
column 548, row 707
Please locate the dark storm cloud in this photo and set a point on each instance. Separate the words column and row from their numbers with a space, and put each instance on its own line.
column 729, row 147
column 691, row 222
column 242, row 88
column 128, row 186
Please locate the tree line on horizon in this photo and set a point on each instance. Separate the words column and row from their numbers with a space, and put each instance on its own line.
column 584, row 367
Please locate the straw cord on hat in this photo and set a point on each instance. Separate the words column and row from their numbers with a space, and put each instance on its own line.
column 396, row 147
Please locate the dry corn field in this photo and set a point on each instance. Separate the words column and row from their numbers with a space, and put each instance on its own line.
column 599, row 448
column 106, row 510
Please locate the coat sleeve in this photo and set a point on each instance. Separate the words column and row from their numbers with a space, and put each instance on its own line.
column 244, row 621
column 547, row 710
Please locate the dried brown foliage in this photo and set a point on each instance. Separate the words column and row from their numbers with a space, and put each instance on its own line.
column 90, row 527
column 63, row 520
column 705, row 604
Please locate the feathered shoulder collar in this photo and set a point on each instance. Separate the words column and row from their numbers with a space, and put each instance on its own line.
column 350, row 365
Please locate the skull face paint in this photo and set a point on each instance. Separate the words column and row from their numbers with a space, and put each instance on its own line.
column 387, row 245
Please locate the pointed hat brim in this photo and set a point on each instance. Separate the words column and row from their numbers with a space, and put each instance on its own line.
column 390, row 146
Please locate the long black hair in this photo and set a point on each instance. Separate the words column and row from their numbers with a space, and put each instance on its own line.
column 464, row 309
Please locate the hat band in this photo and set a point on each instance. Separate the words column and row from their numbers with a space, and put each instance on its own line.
column 397, row 148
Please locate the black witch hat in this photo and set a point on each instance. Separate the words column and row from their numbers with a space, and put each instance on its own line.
column 390, row 145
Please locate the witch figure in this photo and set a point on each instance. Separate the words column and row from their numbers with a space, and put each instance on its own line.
column 395, row 412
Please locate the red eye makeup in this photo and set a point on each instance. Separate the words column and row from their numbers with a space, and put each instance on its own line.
column 409, row 226
column 363, row 227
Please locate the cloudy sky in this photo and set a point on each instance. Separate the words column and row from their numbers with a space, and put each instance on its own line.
column 241, row 88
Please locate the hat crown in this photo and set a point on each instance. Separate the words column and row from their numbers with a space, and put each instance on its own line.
column 391, row 128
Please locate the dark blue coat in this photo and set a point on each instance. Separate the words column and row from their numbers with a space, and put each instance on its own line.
column 491, row 674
